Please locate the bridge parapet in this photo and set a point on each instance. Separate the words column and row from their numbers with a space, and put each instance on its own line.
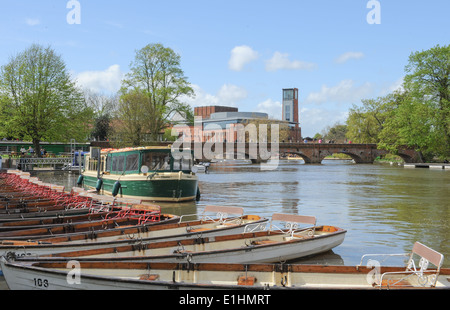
column 312, row 153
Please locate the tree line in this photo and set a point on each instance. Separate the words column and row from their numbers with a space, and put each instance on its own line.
column 40, row 101
column 417, row 115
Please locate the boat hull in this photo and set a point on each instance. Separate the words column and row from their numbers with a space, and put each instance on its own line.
column 172, row 187
column 163, row 276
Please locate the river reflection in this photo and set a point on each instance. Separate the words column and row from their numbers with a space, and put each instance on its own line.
column 384, row 209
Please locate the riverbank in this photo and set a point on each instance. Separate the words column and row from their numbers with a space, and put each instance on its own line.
column 429, row 166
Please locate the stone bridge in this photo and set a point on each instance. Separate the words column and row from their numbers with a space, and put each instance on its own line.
column 312, row 153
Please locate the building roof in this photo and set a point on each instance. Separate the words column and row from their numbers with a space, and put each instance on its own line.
column 223, row 116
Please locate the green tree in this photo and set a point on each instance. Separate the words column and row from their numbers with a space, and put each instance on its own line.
column 38, row 99
column 417, row 116
column 132, row 122
column 364, row 123
column 157, row 79
column 168, row 135
column 408, row 123
column 104, row 107
column 428, row 81
column 264, row 134
column 336, row 133
column 318, row 136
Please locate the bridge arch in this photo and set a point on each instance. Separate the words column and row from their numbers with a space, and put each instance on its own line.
column 302, row 155
column 410, row 157
column 311, row 156
column 355, row 157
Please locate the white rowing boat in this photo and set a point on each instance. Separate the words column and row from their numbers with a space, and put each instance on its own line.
column 267, row 246
column 214, row 221
column 108, row 275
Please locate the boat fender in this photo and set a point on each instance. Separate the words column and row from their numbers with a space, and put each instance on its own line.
column 284, row 281
column 198, row 194
column 80, row 180
column 116, row 188
column 99, row 185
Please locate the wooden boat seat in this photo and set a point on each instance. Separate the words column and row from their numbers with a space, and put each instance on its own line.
column 149, row 277
column 199, row 229
column 244, row 280
column 328, row 229
column 226, row 224
column 263, row 242
column 22, row 243
column 142, row 207
column 396, row 283
column 252, row 217
column 299, row 237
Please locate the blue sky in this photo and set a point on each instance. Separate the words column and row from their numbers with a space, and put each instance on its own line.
column 240, row 53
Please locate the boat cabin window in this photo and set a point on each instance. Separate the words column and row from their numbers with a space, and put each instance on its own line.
column 182, row 163
column 92, row 163
column 156, row 161
column 132, row 162
column 108, row 163
column 118, row 163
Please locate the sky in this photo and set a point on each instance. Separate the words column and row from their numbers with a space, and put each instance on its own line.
column 239, row 53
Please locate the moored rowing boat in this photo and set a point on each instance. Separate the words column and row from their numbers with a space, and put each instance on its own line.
column 108, row 275
column 207, row 225
column 271, row 245
column 138, row 216
column 55, row 221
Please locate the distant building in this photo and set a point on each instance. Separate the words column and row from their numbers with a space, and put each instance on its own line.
column 218, row 123
column 223, row 119
column 290, row 113
column 205, row 112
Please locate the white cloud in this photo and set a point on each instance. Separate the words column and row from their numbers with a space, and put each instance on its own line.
column 391, row 87
column 397, row 86
column 228, row 95
column 280, row 61
column 108, row 80
column 345, row 92
column 271, row 107
column 347, row 56
column 32, row 21
column 240, row 56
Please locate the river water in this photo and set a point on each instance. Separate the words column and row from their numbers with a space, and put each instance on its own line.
column 384, row 209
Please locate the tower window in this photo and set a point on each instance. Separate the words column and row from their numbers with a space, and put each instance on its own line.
column 288, row 94
column 287, row 113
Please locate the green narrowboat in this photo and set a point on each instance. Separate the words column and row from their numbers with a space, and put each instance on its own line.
column 144, row 173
